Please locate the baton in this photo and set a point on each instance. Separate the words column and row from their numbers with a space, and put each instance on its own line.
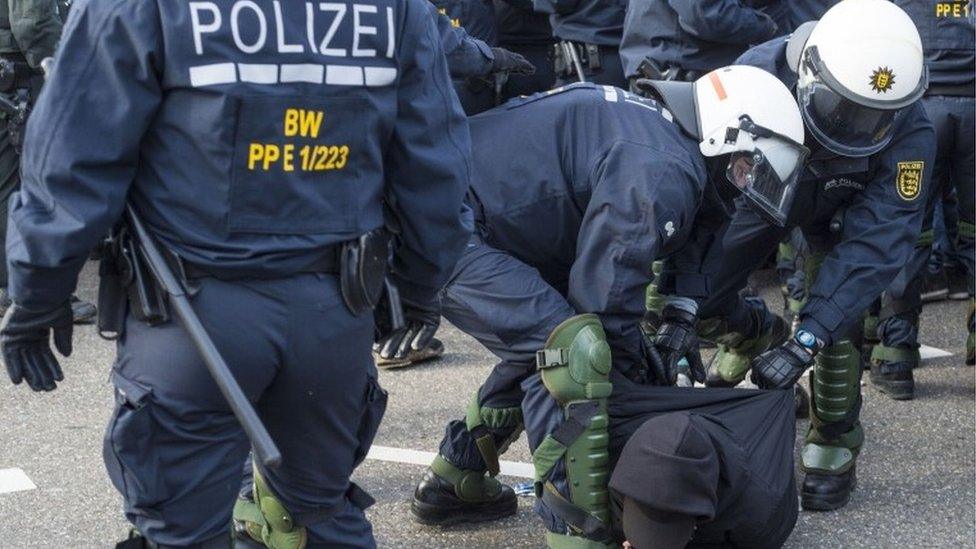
column 264, row 447
column 569, row 50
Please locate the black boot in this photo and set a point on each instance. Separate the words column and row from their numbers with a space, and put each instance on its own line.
column 894, row 379
column 438, row 501
column 827, row 492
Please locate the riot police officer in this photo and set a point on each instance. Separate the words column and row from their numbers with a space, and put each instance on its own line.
column 568, row 226
column 29, row 33
column 864, row 192
column 684, row 39
column 589, row 34
column 256, row 144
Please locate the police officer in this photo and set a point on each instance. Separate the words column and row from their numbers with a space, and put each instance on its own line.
column 528, row 33
column 589, row 34
column 684, row 39
column 255, row 142
column 568, row 225
column 857, row 74
column 29, row 33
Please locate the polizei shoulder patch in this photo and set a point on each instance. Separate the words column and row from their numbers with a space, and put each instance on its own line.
column 908, row 182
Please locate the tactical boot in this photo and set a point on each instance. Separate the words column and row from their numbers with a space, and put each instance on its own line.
column 827, row 492
column 958, row 283
column 894, row 379
column 433, row 350
column 448, row 495
column 935, row 286
column 735, row 354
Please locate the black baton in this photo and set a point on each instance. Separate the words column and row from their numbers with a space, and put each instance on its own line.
column 264, row 447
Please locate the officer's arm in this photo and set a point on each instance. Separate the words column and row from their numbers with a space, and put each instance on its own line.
column 560, row 7
column 723, row 21
column 82, row 146
column 428, row 162
column 881, row 228
column 466, row 56
column 637, row 191
column 36, row 26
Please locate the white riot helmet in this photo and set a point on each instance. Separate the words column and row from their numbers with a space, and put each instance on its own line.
column 749, row 114
column 861, row 64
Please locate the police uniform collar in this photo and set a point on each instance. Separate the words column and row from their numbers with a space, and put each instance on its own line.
column 795, row 43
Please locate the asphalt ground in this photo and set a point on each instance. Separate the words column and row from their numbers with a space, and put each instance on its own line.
column 917, row 485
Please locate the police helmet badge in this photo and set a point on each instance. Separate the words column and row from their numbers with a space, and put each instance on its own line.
column 882, row 79
column 908, row 182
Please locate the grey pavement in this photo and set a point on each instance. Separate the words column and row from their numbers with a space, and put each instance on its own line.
column 917, row 485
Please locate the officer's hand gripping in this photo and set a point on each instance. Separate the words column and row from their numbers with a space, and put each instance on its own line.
column 25, row 342
column 781, row 368
column 421, row 323
column 675, row 339
column 511, row 62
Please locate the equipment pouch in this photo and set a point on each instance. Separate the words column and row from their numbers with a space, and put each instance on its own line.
column 145, row 296
column 113, row 278
column 362, row 270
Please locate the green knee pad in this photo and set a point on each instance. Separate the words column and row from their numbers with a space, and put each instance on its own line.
column 735, row 353
column 267, row 520
column 479, row 419
column 575, row 366
column 785, row 252
column 835, row 391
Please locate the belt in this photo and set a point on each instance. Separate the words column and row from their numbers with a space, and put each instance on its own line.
column 328, row 263
column 23, row 73
column 568, row 53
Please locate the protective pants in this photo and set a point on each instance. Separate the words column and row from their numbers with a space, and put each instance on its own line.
column 508, row 307
column 835, row 436
column 173, row 448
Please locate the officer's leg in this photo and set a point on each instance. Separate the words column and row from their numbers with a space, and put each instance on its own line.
column 964, row 178
column 173, row 448
column 742, row 329
column 540, row 55
column 835, row 436
column 9, row 181
column 322, row 408
column 505, row 305
column 566, row 420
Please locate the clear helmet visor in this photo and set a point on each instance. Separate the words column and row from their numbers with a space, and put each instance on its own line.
column 768, row 175
column 841, row 125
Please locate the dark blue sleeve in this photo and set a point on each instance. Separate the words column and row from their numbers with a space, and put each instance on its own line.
column 723, row 21
column 82, row 146
column 560, row 7
column 689, row 271
column 881, row 227
column 466, row 56
column 428, row 162
column 637, row 190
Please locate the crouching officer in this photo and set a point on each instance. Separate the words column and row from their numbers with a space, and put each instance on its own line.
column 684, row 39
column 554, row 279
column 256, row 145
column 864, row 191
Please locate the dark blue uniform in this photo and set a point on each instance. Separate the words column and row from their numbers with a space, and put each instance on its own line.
column 596, row 28
column 253, row 140
column 691, row 37
column 801, row 11
column 475, row 20
column 575, row 193
column 528, row 33
column 466, row 56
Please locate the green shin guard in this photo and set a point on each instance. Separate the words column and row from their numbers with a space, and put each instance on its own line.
column 575, row 366
column 653, row 301
column 481, row 420
column 835, row 435
column 469, row 486
column 735, row 353
column 266, row 520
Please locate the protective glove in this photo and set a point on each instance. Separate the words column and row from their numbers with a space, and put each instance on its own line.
column 420, row 324
column 26, row 347
column 511, row 62
column 781, row 368
column 675, row 339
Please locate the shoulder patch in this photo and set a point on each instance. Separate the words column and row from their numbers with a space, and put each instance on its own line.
column 908, row 181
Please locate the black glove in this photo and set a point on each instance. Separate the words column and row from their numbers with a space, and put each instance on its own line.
column 25, row 342
column 781, row 368
column 675, row 339
column 511, row 62
column 420, row 325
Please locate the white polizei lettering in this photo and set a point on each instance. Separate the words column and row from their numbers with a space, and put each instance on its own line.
column 302, row 72
column 258, row 73
column 340, row 11
column 283, row 47
column 211, row 75
column 390, row 41
column 340, row 75
column 359, row 30
column 380, row 76
column 199, row 28
column 235, row 14
column 310, row 25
